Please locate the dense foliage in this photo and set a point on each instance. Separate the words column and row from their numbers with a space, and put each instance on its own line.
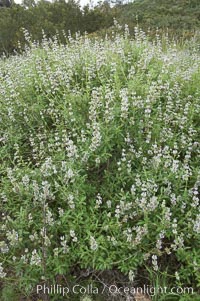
column 180, row 17
column 99, row 160
column 52, row 18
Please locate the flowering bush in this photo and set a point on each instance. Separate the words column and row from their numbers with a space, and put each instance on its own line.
column 99, row 159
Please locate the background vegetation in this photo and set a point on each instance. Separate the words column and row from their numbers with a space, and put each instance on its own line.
column 180, row 17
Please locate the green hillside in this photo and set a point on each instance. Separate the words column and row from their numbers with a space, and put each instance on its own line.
column 181, row 17
column 178, row 16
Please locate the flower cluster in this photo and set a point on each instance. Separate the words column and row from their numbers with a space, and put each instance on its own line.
column 99, row 157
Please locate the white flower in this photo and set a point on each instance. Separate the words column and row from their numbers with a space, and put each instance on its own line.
column 131, row 275
column 177, row 276
column 35, row 258
column 12, row 236
column 2, row 273
column 196, row 227
column 93, row 243
column 154, row 262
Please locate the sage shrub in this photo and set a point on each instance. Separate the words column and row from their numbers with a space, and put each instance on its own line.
column 100, row 158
